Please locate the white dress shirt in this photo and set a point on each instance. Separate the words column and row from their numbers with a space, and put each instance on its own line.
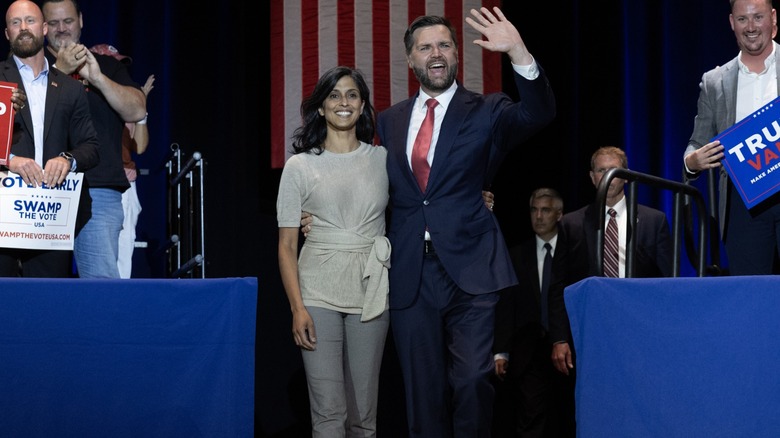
column 622, row 223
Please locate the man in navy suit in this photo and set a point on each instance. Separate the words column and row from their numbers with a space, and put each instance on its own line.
column 654, row 244
column 654, row 249
column 449, row 258
column 532, row 398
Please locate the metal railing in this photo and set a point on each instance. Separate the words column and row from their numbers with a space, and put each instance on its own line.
column 680, row 191
column 714, row 268
column 186, row 229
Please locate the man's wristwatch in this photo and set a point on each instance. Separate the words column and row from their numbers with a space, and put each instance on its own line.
column 68, row 156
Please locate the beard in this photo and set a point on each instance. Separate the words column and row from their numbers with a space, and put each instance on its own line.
column 26, row 48
column 441, row 84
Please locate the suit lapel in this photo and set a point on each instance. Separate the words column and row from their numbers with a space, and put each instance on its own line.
column 533, row 269
column 460, row 105
column 396, row 138
column 777, row 64
column 729, row 84
column 630, row 231
column 591, row 225
column 52, row 97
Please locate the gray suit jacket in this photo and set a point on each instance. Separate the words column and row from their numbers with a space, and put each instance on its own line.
column 716, row 112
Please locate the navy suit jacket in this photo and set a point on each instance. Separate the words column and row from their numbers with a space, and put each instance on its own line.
column 568, row 268
column 67, row 126
column 654, row 250
column 518, row 312
column 476, row 133
column 577, row 250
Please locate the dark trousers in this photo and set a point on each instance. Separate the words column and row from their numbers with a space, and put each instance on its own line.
column 443, row 341
column 534, row 399
column 752, row 237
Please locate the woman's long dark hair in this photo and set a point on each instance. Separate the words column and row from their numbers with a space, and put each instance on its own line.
column 311, row 135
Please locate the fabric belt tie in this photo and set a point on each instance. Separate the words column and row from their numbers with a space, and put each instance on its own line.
column 376, row 269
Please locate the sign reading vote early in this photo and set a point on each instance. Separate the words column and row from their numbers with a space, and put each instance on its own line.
column 38, row 217
column 752, row 154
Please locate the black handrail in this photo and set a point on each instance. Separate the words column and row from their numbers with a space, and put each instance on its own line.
column 712, row 220
column 680, row 189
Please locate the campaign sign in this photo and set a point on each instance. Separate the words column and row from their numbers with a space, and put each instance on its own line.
column 752, row 154
column 6, row 120
column 38, row 217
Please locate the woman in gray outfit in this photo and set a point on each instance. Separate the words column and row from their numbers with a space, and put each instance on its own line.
column 338, row 286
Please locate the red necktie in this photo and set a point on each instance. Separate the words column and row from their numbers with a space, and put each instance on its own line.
column 422, row 144
column 611, row 268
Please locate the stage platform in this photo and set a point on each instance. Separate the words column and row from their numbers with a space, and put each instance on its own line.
column 676, row 357
column 127, row 358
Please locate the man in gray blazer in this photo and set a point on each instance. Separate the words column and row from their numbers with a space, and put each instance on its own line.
column 728, row 94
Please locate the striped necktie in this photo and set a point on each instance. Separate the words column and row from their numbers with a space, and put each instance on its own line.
column 611, row 268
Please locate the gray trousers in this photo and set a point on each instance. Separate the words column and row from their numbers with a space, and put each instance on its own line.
column 343, row 373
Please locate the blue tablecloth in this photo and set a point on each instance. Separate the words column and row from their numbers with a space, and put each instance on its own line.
column 677, row 357
column 127, row 358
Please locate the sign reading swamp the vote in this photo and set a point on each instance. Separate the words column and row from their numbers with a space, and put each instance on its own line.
column 38, row 217
column 752, row 154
